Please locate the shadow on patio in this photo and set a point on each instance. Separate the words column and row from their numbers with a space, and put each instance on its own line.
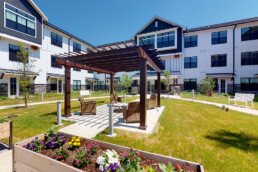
column 241, row 140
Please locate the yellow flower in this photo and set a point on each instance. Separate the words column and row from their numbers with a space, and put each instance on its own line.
column 78, row 144
column 75, row 143
column 77, row 140
column 79, row 137
column 74, row 137
column 69, row 143
column 72, row 140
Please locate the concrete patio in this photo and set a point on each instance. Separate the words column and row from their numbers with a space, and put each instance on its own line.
column 90, row 125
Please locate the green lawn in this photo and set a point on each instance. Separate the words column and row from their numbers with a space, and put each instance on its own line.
column 4, row 101
column 216, row 98
column 37, row 119
column 220, row 140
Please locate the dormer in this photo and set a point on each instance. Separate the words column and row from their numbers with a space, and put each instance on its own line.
column 164, row 35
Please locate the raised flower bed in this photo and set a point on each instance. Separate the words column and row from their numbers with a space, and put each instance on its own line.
column 80, row 154
column 6, row 130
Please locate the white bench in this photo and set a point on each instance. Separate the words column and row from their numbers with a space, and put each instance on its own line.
column 85, row 93
column 241, row 97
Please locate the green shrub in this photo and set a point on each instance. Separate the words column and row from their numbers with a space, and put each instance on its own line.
column 3, row 98
column 2, row 120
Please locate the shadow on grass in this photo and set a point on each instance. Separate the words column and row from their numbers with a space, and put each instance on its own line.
column 238, row 140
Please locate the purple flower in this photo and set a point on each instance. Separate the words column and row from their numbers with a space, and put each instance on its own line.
column 33, row 147
column 56, row 145
column 28, row 146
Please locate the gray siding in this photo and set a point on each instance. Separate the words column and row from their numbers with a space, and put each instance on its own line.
column 25, row 6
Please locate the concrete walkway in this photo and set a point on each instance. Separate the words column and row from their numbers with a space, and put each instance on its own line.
column 47, row 102
column 231, row 107
column 5, row 159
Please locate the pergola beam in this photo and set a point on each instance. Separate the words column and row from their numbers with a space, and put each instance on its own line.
column 79, row 66
column 144, row 55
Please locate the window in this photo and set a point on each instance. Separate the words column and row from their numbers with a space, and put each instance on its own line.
column 56, row 39
column 13, row 50
column 166, row 39
column 249, row 84
column 89, row 71
column 53, row 84
column 148, row 40
column 218, row 37
column 190, row 41
column 219, row 60
column 76, row 85
column 20, row 21
column 54, row 62
column 190, row 62
column 76, row 47
column 190, row 84
column 249, row 58
column 249, row 33
column 76, row 69
column 13, row 86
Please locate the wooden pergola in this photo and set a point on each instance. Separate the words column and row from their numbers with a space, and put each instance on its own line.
column 110, row 59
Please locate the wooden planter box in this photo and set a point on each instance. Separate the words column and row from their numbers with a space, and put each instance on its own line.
column 6, row 132
column 27, row 160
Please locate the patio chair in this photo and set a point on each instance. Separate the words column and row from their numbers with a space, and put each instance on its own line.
column 132, row 113
column 135, row 90
column 115, row 99
column 152, row 102
column 88, row 107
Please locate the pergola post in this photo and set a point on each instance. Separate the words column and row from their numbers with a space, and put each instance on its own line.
column 158, row 88
column 67, row 91
column 143, row 93
column 111, row 83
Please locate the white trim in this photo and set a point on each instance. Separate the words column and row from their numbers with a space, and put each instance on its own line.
column 18, row 39
column 172, row 54
column 157, row 32
column 35, row 36
column 37, row 9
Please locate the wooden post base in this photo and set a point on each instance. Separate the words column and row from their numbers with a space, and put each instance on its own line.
column 142, row 127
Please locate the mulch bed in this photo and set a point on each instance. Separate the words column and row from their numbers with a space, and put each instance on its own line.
column 93, row 167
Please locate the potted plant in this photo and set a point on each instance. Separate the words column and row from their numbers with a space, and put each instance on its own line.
column 6, row 130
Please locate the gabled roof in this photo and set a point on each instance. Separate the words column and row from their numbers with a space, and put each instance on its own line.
column 161, row 19
column 38, row 10
column 67, row 33
column 236, row 22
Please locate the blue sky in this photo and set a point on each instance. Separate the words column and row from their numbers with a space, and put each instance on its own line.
column 106, row 21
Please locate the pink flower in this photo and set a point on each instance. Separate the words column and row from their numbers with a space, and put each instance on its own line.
column 124, row 153
column 131, row 149
column 87, row 158
column 127, row 155
column 128, row 160
column 92, row 156
column 66, row 151
column 89, row 154
column 59, row 157
column 77, row 162
column 63, row 147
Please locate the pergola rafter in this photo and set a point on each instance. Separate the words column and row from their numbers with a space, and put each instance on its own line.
column 112, row 58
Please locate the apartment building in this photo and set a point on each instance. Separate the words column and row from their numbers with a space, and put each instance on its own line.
column 22, row 21
column 226, row 52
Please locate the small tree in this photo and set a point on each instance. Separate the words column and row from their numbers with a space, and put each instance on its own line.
column 207, row 85
column 168, row 79
column 26, row 67
column 126, row 81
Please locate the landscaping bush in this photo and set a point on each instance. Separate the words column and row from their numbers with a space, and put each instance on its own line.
column 3, row 98
column 206, row 86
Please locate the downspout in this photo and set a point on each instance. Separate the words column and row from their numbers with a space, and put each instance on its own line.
column 69, row 44
column 234, row 58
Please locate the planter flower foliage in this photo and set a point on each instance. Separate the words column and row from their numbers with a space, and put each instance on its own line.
column 55, row 141
column 112, row 168
column 93, row 147
column 108, row 157
column 61, row 153
column 83, row 157
column 130, row 160
column 34, row 145
column 74, row 143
